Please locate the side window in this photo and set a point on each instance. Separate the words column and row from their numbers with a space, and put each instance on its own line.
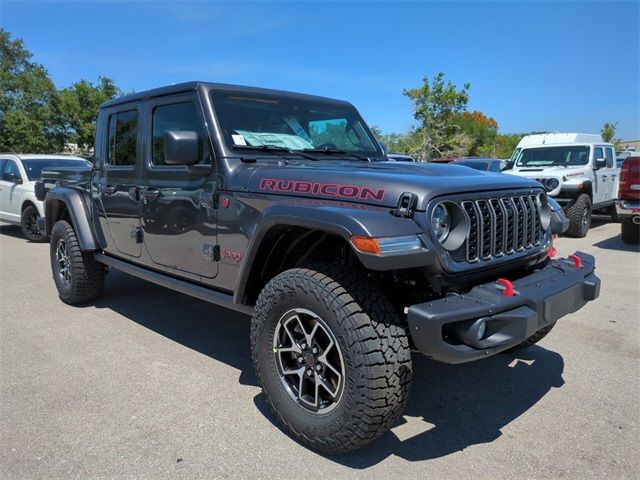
column 597, row 153
column 2, row 162
column 9, row 169
column 175, row 116
column 123, row 138
column 609, row 152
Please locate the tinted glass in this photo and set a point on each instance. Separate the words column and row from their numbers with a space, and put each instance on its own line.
column 475, row 165
column 609, row 153
column 123, row 138
column 597, row 152
column 34, row 167
column 9, row 168
column 254, row 120
column 176, row 117
column 547, row 156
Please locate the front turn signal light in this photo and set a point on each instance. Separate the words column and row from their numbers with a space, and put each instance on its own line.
column 366, row 244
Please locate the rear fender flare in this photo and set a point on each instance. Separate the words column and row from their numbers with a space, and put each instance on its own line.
column 77, row 205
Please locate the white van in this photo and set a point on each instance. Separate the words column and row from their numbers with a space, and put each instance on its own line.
column 577, row 169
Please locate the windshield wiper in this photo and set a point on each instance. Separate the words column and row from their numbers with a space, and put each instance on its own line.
column 337, row 151
column 276, row 149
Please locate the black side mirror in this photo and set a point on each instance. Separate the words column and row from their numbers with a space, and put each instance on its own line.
column 180, row 147
column 12, row 177
column 601, row 163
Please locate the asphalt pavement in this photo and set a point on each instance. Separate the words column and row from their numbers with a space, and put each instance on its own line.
column 148, row 383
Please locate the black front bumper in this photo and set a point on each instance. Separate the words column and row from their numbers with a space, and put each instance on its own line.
column 447, row 329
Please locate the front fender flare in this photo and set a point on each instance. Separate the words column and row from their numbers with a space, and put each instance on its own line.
column 77, row 205
column 340, row 219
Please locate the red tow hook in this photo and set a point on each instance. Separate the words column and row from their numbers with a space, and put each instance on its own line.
column 553, row 251
column 577, row 262
column 508, row 291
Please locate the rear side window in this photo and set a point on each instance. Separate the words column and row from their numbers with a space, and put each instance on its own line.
column 177, row 117
column 609, row 152
column 123, row 138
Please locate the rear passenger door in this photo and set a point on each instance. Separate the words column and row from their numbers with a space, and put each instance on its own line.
column 177, row 203
column 612, row 173
column 119, row 209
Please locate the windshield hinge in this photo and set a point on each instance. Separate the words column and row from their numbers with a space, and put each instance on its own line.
column 406, row 205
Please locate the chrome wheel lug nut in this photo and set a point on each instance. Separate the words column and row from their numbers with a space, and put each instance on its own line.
column 309, row 372
column 318, row 367
column 315, row 350
column 303, row 346
column 300, row 359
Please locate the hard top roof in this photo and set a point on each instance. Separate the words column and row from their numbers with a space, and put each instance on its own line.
column 41, row 156
column 188, row 86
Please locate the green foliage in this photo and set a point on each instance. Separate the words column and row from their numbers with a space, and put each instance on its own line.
column 29, row 102
column 608, row 132
column 35, row 117
column 437, row 105
column 80, row 103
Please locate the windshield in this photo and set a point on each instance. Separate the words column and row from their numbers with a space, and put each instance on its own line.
column 255, row 120
column 554, row 156
column 34, row 167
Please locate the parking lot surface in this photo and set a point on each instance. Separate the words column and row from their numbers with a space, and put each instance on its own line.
column 149, row 383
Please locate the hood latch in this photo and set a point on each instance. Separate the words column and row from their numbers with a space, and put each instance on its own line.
column 406, row 205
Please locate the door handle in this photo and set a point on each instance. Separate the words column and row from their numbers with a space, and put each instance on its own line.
column 151, row 193
column 604, row 177
column 108, row 189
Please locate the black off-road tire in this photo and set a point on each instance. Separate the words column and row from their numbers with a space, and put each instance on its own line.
column 27, row 224
column 374, row 344
column 630, row 231
column 533, row 339
column 86, row 276
column 579, row 216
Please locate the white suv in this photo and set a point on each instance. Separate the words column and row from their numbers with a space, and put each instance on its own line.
column 578, row 170
column 18, row 203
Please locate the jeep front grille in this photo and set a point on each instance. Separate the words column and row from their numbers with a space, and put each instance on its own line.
column 500, row 226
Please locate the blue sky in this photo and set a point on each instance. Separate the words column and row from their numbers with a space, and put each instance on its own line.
column 557, row 66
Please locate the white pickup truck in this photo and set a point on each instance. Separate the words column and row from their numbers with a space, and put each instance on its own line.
column 578, row 170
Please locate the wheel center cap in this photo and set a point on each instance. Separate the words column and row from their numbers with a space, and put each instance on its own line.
column 309, row 359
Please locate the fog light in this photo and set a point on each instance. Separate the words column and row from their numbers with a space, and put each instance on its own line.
column 482, row 329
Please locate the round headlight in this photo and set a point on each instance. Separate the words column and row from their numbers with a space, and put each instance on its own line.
column 552, row 184
column 441, row 222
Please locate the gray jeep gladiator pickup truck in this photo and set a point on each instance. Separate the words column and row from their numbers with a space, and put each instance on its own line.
column 284, row 206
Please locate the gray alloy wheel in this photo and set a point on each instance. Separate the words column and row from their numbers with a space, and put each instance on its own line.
column 309, row 360
column 62, row 262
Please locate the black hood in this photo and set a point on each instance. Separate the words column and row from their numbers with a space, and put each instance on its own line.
column 379, row 183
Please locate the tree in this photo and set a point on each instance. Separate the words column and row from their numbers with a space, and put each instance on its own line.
column 436, row 105
column 481, row 130
column 29, row 102
column 80, row 103
column 608, row 132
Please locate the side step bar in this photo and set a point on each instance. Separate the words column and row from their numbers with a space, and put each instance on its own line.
column 206, row 294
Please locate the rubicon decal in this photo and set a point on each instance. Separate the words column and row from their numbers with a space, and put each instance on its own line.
column 324, row 189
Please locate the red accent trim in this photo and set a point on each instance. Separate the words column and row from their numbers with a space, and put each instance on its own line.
column 508, row 291
column 224, row 202
column 577, row 263
column 553, row 251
